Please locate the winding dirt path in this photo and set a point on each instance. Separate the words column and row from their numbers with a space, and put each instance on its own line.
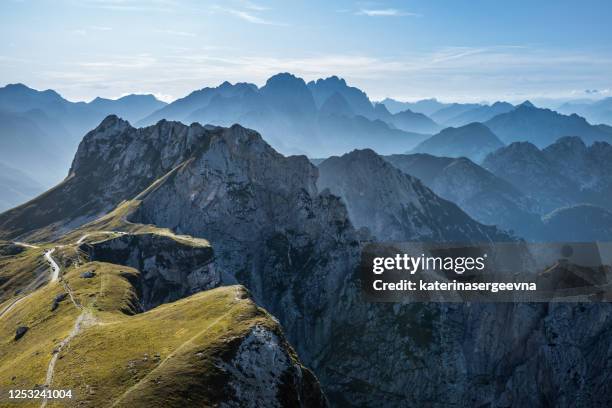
column 55, row 269
column 83, row 320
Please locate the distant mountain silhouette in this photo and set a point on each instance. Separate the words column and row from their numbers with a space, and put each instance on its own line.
column 479, row 114
column 319, row 119
column 594, row 111
column 424, row 106
column 482, row 195
column 129, row 107
column 544, row 126
column 394, row 205
column 473, row 141
column 41, row 130
column 323, row 89
column 406, row 120
column 563, row 174
column 453, row 110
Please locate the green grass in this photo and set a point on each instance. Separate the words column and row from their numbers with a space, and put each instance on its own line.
column 19, row 271
column 164, row 357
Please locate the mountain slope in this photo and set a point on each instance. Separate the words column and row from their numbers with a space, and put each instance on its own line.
column 36, row 145
column 479, row 114
column 87, row 333
column 130, row 107
column 296, row 250
column 454, row 109
column 595, row 112
column 16, row 187
column 580, row 223
column 483, row 196
column 544, row 126
column 424, row 106
column 473, row 141
column 393, row 205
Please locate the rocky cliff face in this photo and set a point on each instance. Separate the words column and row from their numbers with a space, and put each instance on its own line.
column 169, row 268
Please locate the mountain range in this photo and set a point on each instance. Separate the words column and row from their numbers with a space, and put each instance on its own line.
column 193, row 230
column 320, row 118
column 564, row 173
column 599, row 111
column 544, row 126
column 41, row 130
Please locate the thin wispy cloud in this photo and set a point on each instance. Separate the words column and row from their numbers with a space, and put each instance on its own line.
column 388, row 12
column 249, row 16
column 496, row 71
column 253, row 6
column 131, row 5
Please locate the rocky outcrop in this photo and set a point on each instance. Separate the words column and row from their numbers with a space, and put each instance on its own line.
column 263, row 372
column 170, row 267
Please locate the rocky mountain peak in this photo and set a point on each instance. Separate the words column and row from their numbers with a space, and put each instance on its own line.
column 284, row 79
column 393, row 205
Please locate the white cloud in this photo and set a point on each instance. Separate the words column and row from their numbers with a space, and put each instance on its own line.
column 131, row 5
column 248, row 16
column 389, row 12
column 450, row 73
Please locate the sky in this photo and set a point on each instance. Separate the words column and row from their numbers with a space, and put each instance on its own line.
column 454, row 50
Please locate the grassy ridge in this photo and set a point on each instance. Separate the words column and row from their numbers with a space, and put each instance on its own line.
column 163, row 357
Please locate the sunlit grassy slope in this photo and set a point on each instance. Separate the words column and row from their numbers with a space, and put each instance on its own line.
column 164, row 357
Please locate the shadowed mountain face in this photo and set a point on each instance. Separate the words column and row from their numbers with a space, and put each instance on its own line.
column 297, row 251
column 482, row 195
column 473, row 141
column 580, row 223
column 543, row 126
column 565, row 173
column 323, row 89
column 396, row 206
